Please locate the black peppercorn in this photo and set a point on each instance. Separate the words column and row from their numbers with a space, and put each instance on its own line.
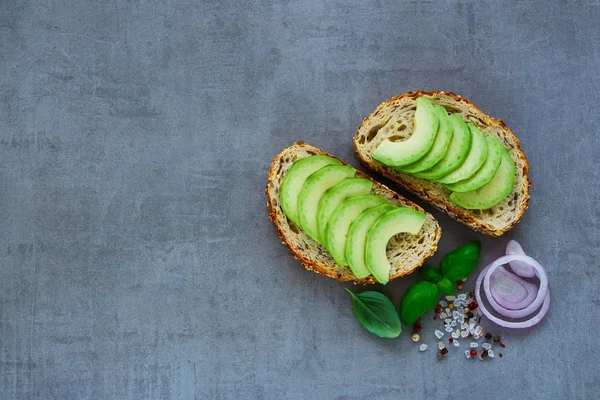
column 444, row 351
column 497, row 339
column 488, row 336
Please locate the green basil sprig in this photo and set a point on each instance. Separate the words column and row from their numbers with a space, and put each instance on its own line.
column 423, row 296
column 376, row 313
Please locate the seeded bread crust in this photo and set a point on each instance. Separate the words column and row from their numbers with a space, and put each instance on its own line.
column 399, row 112
column 406, row 252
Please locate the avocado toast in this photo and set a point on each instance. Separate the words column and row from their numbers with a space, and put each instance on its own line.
column 499, row 188
column 404, row 252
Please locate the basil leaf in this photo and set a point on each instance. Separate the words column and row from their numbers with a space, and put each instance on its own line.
column 446, row 286
column 376, row 313
column 430, row 274
column 418, row 299
column 460, row 262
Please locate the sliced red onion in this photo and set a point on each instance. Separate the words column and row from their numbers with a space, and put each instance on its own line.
column 498, row 300
column 511, row 291
column 541, row 293
column 519, row 267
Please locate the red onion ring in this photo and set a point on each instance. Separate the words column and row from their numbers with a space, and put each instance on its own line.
column 523, row 307
column 515, row 294
column 519, row 267
column 541, row 294
column 507, row 324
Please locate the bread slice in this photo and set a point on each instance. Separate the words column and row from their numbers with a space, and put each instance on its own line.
column 406, row 252
column 397, row 115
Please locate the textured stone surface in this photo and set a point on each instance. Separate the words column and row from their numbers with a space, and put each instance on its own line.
column 136, row 258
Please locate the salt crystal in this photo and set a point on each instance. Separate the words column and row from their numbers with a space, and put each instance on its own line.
column 441, row 345
column 456, row 343
column 439, row 334
column 449, row 328
column 423, row 347
column 467, row 353
column 443, row 315
column 443, row 303
column 486, row 346
column 464, row 326
column 448, row 311
column 478, row 330
column 455, row 315
column 471, row 325
column 491, row 353
column 474, row 344
column 472, row 331
column 455, row 335
column 464, row 334
column 462, row 296
column 450, row 298
column 464, row 279
column 457, row 303
column 447, row 320
column 453, row 323
column 476, row 336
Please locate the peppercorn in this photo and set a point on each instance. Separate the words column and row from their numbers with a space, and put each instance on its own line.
column 451, row 306
column 440, row 355
column 416, row 337
column 502, row 345
column 473, row 306
column 473, row 353
column 444, row 351
column 438, row 310
column 470, row 315
column 417, row 328
column 466, row 310
column 459, row 286
column 488, row 336
column 500, row 355
column 434, row 317
column 450, row 340
column 497, row 339
column 484, row 354
column 471, row 295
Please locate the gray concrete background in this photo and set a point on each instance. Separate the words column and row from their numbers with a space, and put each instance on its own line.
column 136, row 257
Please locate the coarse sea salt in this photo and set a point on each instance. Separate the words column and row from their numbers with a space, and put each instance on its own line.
column 443, row 303
column 449, row 328
column 474, row 345
column 453, row 323
column 455, row 314
column 456, row 343
column 455, row 335
column 467, row 354
column 441, row 345
column 450, row 298
column 443, row 315
column 423, row 347
column 491, row 353
column 447, row 321
column 439, row 334
column 464, row 334
column 486, row 346
column 462, row 296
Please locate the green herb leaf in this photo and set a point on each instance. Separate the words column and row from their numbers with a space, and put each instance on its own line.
column 418, row 299
column 446, row 286
column 460, row 262
column 430, row 274
column 376, row 314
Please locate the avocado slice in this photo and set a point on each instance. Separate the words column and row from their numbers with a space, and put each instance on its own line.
column 492, row 192
column 357, row 237
column 475, row 159
column 397, row 154
column 312, row 191
column 440, row 146
column 339, row 224
column 294, row 180
column 390, row 224
column 332, row 198
column 485, row 173
column 458, row 150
